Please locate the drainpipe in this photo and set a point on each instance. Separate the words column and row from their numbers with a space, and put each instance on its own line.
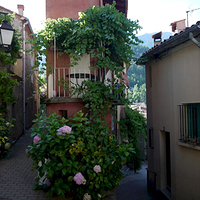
column 54, row 67
column 24, row 22
column 194, row 40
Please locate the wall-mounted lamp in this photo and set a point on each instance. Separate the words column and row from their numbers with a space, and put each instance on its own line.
column 6, row 32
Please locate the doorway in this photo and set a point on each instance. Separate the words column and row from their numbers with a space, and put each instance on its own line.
column 165, row 158
column 168, row 161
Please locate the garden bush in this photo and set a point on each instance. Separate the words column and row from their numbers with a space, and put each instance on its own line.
column 132, row 126
column 76, row 157
column 4, row 137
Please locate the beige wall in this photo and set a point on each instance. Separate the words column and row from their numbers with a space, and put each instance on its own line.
column 175, row 79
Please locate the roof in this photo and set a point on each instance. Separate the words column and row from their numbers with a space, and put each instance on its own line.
column 170, row 43
column 19, row 17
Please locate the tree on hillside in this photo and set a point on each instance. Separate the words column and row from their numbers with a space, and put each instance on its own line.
column 138, row 94
column 136, row 77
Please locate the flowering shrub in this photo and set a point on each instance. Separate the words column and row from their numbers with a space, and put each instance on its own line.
column 80, row 159
column 4, row 137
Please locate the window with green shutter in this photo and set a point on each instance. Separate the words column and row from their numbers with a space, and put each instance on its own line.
column 190, row 123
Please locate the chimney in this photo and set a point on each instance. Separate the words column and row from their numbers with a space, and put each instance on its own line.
column 20, row 9
column 157, row 38
column 178, row 26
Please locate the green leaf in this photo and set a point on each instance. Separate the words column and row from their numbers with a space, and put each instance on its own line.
column 64, row 171
column 60, row 165
column 70, row 178
column 126, row 153
column 91, row 186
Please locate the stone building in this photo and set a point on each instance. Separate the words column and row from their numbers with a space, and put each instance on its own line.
column 30, row 87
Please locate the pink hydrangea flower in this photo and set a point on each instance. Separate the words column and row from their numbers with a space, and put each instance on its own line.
column 97, row 168
column 7, row 124
column 79, row 179
column 65, row 129
column 36, row 139
column 60, row 133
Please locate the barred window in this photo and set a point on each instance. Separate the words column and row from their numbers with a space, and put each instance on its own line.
column 190, row 123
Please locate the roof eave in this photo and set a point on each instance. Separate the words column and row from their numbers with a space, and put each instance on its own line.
column 168, row 44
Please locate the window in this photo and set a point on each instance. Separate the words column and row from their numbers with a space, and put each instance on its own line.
column 190, row 123
column 64, row 114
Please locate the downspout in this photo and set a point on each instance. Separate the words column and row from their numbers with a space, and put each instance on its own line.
column 194, row 40
column 25, row 22
column 54, row 70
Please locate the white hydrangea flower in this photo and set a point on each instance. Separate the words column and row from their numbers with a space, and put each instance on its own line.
column 87, row 197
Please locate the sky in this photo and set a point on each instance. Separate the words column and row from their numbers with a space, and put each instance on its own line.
column 153, row 16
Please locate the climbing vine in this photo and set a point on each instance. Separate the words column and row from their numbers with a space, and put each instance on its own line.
column 102, row 32
column 7, row 57
column 7, row 83
column 132, row 127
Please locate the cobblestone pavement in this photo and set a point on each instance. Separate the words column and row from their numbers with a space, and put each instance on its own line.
column 17, row 179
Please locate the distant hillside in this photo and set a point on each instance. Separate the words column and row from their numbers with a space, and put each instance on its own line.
column 148, row 41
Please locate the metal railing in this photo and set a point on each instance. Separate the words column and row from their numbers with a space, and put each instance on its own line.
column 61, row 80
column 189, row 123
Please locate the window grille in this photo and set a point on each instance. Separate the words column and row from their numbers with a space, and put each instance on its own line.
column 190, row 123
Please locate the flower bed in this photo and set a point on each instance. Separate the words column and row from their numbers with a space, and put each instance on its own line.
column 78, row 158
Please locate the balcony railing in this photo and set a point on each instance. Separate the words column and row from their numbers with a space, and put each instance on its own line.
column 190, row 123
column 62, row 80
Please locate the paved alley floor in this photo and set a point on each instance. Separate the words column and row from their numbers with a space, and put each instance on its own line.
column 134, row 186
column 17, row 179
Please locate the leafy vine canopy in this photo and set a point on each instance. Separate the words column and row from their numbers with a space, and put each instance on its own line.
column 103, row 32
column 10, row 55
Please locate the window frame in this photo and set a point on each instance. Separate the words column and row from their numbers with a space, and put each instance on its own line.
column 190, row 123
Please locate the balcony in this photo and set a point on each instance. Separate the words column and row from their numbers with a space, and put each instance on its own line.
column 63, row 81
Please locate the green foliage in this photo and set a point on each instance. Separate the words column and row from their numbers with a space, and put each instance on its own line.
column 6, row 89
column 42, row 88
column 4, row 137
column 106, row 35
column 138, row 94
column 10, row 55
column 102, row 32
column 136, row 76
column 132, row 127
column 84, row 147
column 136, row 73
